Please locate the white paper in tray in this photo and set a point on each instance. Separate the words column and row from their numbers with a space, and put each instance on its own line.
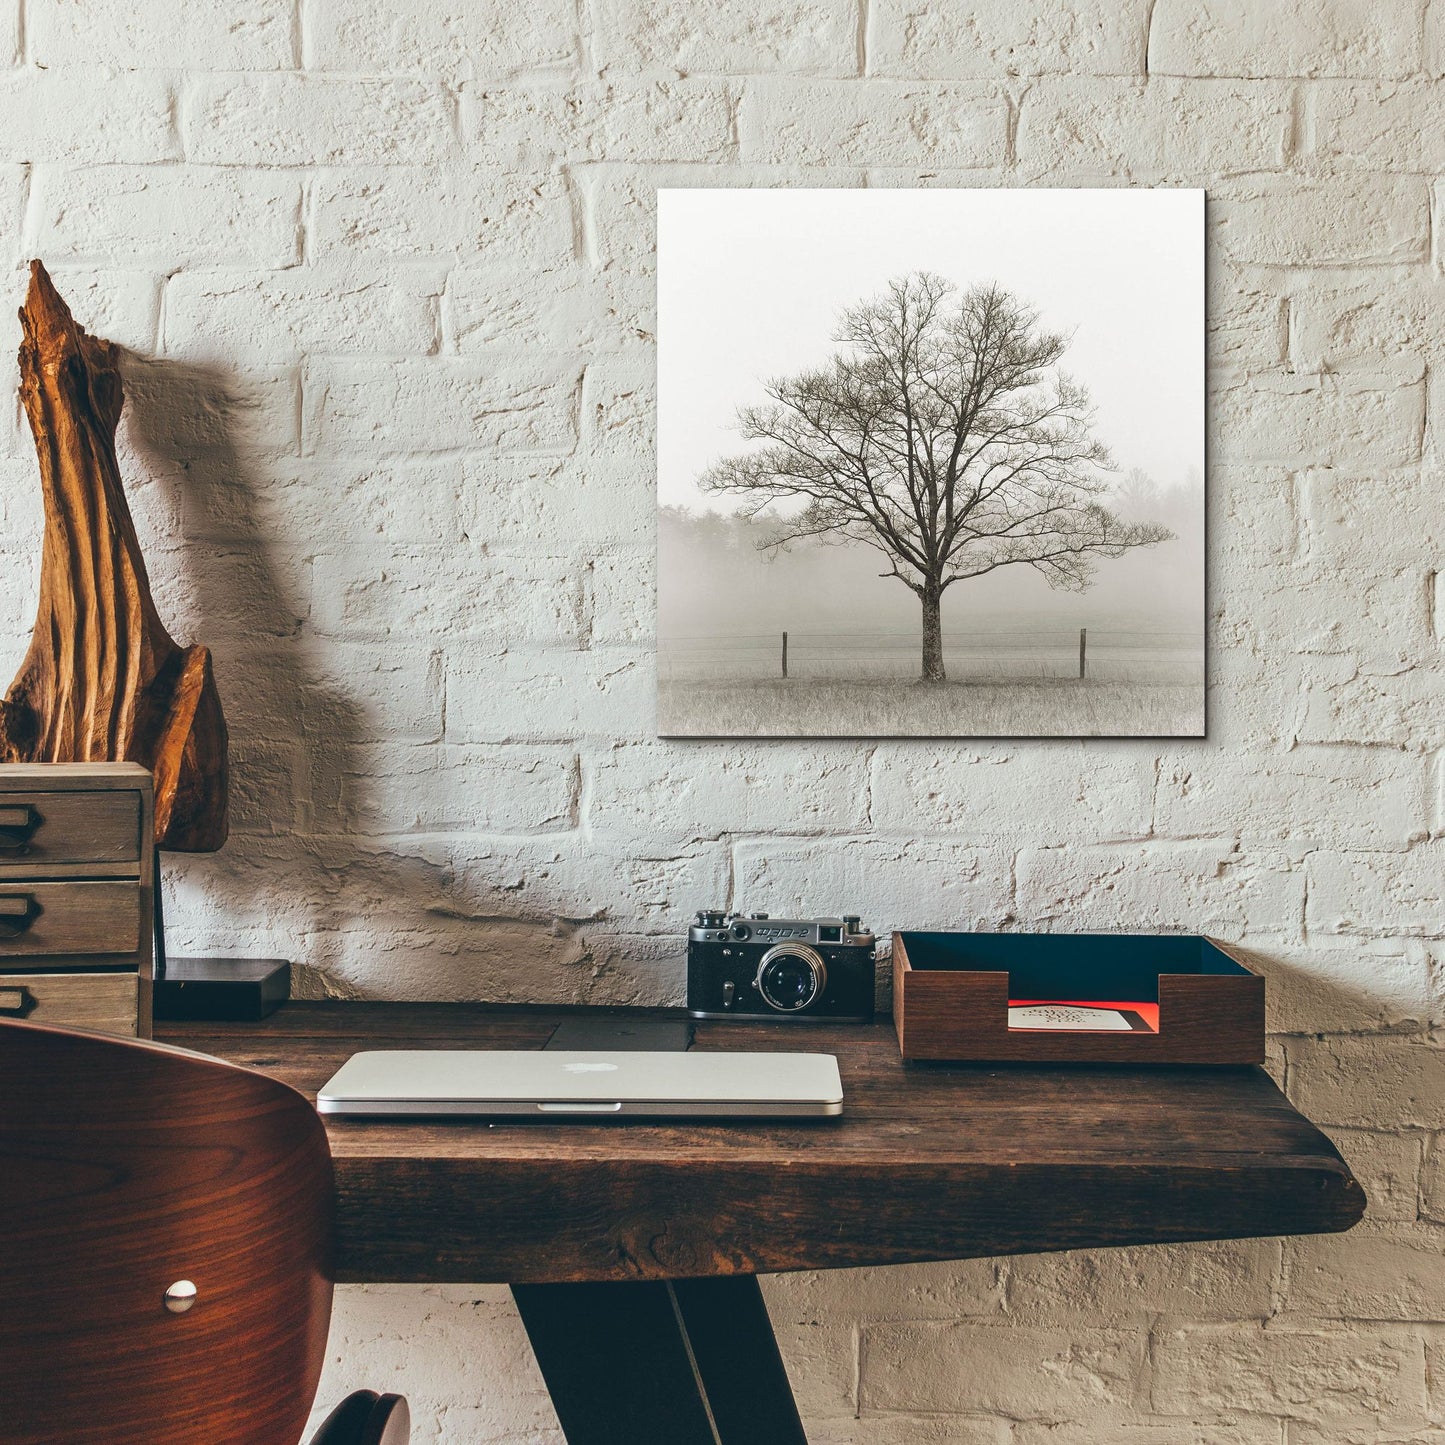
column 1067, row 1016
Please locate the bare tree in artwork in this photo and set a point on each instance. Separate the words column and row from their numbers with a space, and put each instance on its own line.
column 943, row 434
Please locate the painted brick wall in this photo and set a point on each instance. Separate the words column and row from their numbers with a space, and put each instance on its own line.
column 386, row 268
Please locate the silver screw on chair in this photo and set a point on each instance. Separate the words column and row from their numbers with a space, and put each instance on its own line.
column 180, row 1296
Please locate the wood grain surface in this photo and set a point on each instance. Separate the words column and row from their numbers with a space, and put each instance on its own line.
column 103, row 681
column 125, row 1168
column 928, row 1161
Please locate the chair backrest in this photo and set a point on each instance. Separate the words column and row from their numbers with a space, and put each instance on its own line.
column 126, row 1168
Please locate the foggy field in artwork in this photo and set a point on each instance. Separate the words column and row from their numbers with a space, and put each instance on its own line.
column 1001, row 684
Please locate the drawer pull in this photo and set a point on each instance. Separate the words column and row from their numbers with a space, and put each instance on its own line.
column 15, row 1003
column 17, row 912
column 17, row 826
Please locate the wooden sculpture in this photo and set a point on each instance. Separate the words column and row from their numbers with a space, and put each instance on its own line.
column 103, row 680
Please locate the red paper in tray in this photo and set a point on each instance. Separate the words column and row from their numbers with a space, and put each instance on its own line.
column 1149, row 1012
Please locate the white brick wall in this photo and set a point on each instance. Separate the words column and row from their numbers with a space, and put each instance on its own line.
column 386, row 266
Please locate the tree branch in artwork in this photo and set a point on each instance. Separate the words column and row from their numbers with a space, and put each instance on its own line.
column 944, row 435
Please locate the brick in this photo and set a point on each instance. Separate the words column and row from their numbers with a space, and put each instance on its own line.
column 1363, row 326
column 619, row 410
column 1111, row 1430
column 603, row 692
column 414, row 408
column 457, row 40
column 456, row 593
column 1333, row 37
column 1374, row 127
column 657, row 120
column 1390, row 1170
column 569, row 878
column 882, row 123
column 311, row 120
column 821, row 1357
column 551, row 501
column 444, row 211
column 586, row 310
column 1432, row 1181
column 382, row 789
column 1341, row 797
column 655, row 789
column 181, row 411
column 1012, row 1369
column 321, row 502
column 1380, row 704
column 620, row 201
column 1339, row 221
column 1314, row 1376
column 166, row 217
column 250, row 35
column 619, row 598
column 909, row 38
column 1233, row 1280
column 1370, row 984
column 1378, row 895
column 985, row 793
column 1247, row 323
column 951, row 1291
column 285, row 315
column 1323, row 420
column 1393, row 519
column 1211, row 887
column 1162, row 129
column 1375, row 1272
column 371, row 693
column 745, row 37
column 125, row 120
column 1380, row 1082
column 931, row 883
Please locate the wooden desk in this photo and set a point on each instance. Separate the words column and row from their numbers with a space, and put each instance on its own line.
column 632, row 1247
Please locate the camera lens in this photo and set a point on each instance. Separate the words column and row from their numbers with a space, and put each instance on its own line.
column 742, row 932
column 790, row 977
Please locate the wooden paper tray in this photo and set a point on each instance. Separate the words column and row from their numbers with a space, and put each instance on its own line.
column 951, row 995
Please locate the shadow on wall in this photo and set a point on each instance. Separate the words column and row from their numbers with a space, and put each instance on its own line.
column 230, row 577
column 313, row 871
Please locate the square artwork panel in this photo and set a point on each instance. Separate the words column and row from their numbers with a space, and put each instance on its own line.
column 931, row 463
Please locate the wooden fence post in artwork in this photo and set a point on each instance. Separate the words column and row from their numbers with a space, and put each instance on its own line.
column 103, row 681
column 785, row 654
column 1083, row 641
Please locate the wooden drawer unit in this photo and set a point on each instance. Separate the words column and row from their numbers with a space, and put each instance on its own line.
column 38, row 830
column 77, row 895
column 109, row 1002
column 59, row 920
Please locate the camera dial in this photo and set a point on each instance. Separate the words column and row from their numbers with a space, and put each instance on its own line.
column 791, row 976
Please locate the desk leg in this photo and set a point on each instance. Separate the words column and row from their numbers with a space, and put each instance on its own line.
column 688, row 1362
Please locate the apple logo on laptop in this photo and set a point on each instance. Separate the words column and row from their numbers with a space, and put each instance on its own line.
column 590, row 1068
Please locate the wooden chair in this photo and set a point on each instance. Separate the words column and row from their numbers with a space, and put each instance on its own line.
column 164, row 1265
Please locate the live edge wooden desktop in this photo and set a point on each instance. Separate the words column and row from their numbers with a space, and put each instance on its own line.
column 632, row 1249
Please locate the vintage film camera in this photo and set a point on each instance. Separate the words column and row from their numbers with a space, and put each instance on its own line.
column 747, row 965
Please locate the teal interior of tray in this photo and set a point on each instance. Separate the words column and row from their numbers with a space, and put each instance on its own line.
column 1072, row 965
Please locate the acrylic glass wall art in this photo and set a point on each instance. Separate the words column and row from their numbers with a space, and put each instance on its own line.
column 931, row 463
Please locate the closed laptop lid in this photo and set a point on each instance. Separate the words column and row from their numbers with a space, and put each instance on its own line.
column 578, row 1082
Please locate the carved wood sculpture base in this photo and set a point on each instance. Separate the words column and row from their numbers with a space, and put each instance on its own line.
column 103, row 680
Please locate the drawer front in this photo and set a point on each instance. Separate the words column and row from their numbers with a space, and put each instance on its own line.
column 74, row 827
column 40, row 920
column 109, row 1002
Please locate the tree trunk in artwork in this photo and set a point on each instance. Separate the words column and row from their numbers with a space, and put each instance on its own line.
column 932, row 598
column 103, row 680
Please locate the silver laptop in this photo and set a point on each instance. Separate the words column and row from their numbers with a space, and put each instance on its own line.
column 560, row 1083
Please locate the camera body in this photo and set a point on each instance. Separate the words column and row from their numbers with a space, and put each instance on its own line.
column 750, row 966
